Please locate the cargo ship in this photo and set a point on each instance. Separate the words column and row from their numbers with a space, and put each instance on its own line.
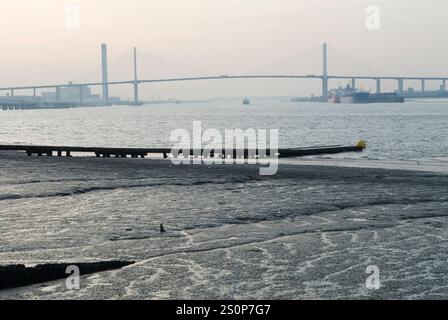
column 389, row 97
column 352, row 95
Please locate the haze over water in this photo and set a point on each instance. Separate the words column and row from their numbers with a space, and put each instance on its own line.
column 414, row 130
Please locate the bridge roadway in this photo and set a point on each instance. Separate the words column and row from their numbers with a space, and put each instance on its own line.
column 224, row 77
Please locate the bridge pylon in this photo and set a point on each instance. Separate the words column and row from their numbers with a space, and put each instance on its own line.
column 105, row 73
column 324, row 73
column 136, row 99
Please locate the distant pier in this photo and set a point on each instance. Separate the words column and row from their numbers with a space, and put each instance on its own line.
column 17, row 105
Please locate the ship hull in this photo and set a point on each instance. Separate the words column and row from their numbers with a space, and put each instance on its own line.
column 368, row 98
column 358, row 97
column 385, row 98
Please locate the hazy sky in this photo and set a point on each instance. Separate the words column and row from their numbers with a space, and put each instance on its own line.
column 218, row 36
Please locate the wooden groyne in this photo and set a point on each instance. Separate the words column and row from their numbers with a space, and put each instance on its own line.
column 68, row 151
column 14, row 276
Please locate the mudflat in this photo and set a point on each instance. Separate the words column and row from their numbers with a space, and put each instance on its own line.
column 308, row 232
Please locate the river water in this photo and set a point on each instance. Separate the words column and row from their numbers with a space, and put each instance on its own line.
column 307, row 232
column 415, row 130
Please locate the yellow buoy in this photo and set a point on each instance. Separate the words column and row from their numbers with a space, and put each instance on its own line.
column 361, row 144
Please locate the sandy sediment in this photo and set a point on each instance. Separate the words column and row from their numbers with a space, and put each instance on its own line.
column 309, row 231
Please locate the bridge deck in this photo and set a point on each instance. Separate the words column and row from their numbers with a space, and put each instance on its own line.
column 143, row 152
column 227, row 77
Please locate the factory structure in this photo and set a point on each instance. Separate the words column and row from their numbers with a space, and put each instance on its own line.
column 70, row 94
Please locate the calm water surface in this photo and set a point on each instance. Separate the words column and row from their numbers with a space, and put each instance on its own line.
column 414, row 130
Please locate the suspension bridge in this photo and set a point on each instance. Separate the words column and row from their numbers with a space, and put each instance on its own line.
column 324, row 77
